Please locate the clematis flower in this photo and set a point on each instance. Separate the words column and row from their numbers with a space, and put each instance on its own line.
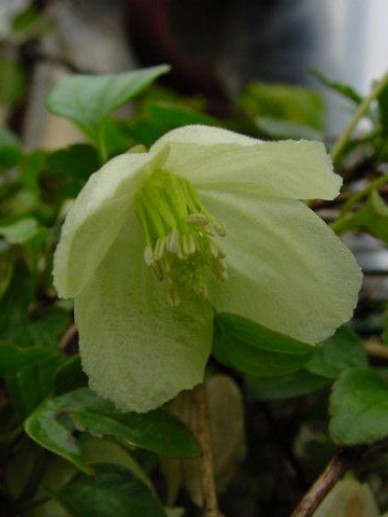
column 206, row 220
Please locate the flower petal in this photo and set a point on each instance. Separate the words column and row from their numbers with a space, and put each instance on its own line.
column 96, row 216
column 137, row 350
column 221, row 160
column 288, row 270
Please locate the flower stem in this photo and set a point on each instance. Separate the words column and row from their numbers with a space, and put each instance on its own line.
column 339, row 146
column 334, row 471
column 208, row 489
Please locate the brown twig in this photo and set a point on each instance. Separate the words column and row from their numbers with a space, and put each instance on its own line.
column 208, row 489
column 376, row 349
column 67, row 338
column 334, row 471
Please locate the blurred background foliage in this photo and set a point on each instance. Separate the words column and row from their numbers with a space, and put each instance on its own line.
column 64, row 451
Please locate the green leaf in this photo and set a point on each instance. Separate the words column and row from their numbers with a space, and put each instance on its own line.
column 88, row 100
column 47, row 328
column 30, row 385
column 157, row 431
column 14, row 303
column 257, row 350
column 371, row 218
column 161, row 116
column 294, row 104
column 13, row 359
column 46, row 427
column 359, row 408
column 69, row 376
column 297, row 384
column 113, row 491
column 343, row 350
column 67, row 170
column 343, row 89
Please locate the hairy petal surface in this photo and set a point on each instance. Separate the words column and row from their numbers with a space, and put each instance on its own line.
column 288, row 270
column 96, row 217
column 218, row 159
column 137, row 350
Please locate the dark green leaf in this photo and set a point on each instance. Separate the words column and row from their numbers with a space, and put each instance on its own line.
column 67, row 171
column 46, row 328
column 15, row 302
column 343, row 89
column 160, row 117
column 157, row 430
column 13, row 359
column 69, row 376
column 359, row 408
column 297, row 384
column 32, row 384
column 257, row 350
column 113, row 491
column 343, row 350
column 88, row 100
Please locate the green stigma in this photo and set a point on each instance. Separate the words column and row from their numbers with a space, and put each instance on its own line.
column 180, row 235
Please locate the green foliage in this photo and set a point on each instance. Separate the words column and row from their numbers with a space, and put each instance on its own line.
column 359, row 408
column 114, row 490
column 89, row 100
column 344, row 90
column 257, row 350
column 284, row 111
column 339, row 353
column 371, row 218
column 54, row 423
column 342, row 351
column 48, row 417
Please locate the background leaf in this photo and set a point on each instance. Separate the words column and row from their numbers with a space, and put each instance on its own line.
column 82, row 410
column 257, row 350
column 359, row 408
column 88, row 100
column 339, row 352
column 114, row 490
column 13, row 359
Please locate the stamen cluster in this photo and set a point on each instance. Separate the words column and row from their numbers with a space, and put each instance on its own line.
column 180, row 235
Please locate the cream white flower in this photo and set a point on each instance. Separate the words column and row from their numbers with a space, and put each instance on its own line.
column 206, row 220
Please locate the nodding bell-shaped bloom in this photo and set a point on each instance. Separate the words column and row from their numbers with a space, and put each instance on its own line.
column 206, row 220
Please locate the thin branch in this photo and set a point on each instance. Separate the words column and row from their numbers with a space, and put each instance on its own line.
column 68, row 338
column 334, row 471
column 339, row 146
column 208, row 489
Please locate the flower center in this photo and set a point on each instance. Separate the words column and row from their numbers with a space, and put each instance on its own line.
column 180, row 235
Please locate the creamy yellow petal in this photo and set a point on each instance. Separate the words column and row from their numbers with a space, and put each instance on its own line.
column 288, row 270
column 221, row 160
column 96, row 217
column 136, row 349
